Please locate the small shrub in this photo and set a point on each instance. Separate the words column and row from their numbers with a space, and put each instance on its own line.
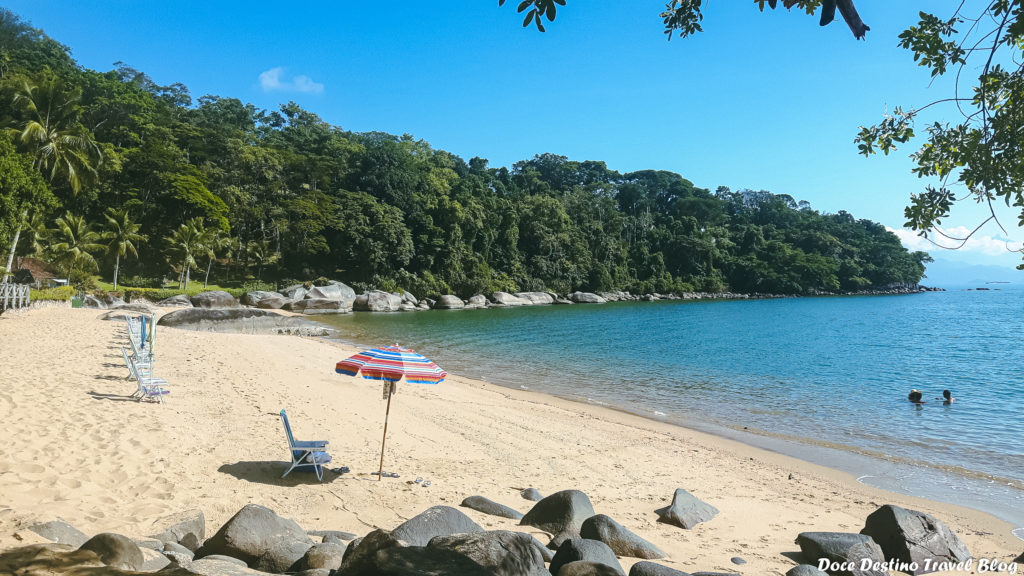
column 60, row 293
column 257, row 286
column 141, row 282
column 321, row 281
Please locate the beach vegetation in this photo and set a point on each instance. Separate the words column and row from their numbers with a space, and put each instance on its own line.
column 58, row 293
column 216, row 186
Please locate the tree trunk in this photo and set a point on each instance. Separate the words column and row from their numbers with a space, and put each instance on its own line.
column 14, row 246
column 206, row 280
column 188, row 274
column 117, row 266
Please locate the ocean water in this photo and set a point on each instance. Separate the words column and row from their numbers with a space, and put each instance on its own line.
column 825, row 379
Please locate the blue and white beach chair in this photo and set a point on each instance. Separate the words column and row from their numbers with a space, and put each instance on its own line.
column 305, row 452
column 150, row 388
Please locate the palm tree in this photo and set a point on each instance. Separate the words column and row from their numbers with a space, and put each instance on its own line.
column 74, row 241
column 50, row 130
column 213, row 241
column 185, row 244
column 123, row 234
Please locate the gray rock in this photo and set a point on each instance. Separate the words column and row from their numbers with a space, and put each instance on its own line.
column 558, row 539
column 315, row 572
column 337, row 534
column 686, row 511
column 716, row 574
column 652, row 569
column 481, row 504
column 260, row 538
column 843, row 548
column 909, row 536
column 332, row 539
column 150, row 543
column 153, row 560
column 618, row 538
column 221, row 567
column 582, row 549
column 586, row 298
column 61, row 532
column 507, row 553
column 90, row 301
column 805, row 570
column 477, row 301
column 111, row 301
column 319, row 306
column 179, row 301
column 333, row 291
column 536, row 298
column 585, row 568
column 449, row 302
column 1019, row 559
column 506, row 299
column 377, row 301
column 175, row 528
column 254, row 298
column 407, row 297
column 214, row 299
column 532, row 494
column 563, row 301
column 115, row 550
column 354, row 544
column 142, row 307
column 294, row 292
column 432, row 522
column 414, row 561
column 225, row 559
column 323, row 556
column 561, row 511
column 242, row 321
column 273, row 303
column 174, row 547
column 737, row 560
column 361, row 551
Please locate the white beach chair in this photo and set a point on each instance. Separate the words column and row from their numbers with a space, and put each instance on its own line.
column 305, row 452
column 149, row 388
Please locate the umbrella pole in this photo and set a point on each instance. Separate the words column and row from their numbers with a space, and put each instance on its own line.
column 387, row 411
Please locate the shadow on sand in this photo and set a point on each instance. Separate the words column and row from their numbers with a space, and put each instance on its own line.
column 269, row 472
column 114, row 397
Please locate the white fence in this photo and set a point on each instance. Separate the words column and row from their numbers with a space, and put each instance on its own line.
column 14, row 296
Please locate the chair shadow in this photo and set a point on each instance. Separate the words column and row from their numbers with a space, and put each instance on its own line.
column 269, row 472
column 109, row 377
column 114, row 397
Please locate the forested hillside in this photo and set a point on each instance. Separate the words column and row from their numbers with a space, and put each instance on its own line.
column 108, row 171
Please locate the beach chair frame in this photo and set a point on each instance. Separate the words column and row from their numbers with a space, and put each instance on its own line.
column 305, row 453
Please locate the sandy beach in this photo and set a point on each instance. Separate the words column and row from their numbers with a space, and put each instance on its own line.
column 78, row 448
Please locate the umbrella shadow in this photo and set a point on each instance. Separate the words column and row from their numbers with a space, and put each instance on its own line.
column 269, row 472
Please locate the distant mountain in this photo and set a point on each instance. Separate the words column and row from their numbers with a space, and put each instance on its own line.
column 948, row 273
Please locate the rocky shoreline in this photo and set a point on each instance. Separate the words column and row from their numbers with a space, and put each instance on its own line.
column 444, row 541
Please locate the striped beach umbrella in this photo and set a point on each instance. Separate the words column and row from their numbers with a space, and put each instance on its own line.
column 391, row 364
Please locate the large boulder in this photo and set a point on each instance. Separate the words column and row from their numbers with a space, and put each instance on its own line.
column 185, row 528
column 47, row 559
column 179, row 301
column 255, row 297
column 294, row 292
column 115, row 550
column 618, row 538
column 152, row 560
column 804, row 570
column 261, row 539
column 850, row 554
column 377, row 301
column 449, row 302
column 414, row 561
column 536, row 297
column 586, row 298
column 506, row 299
column 61, row 532
column 477, row 301
column 912, row 537
column 240, row 320
column 320, row 306
column 273, row 303
column 576, row 549
column 562, row 511
column 507, row 553
column 333, row 291
column 481, row 504
column 90, row 301
column 360, row 551
column 531, row 494
column 586, row 568
column 140, row 306
column 221, row 566
column 214, row 299
column 432, row 522
column 686, row 510
column 652, row 569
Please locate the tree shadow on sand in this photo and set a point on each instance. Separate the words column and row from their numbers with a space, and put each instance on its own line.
column 269, row 472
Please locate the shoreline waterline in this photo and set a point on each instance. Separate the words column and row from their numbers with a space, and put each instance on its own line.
column 886, row 469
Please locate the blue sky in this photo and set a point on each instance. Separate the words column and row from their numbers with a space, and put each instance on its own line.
column 759, row 100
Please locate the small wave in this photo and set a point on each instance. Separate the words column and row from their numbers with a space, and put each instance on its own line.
column 657, row 413
column 1019, row 533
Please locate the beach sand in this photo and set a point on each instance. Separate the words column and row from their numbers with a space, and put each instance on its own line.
column 76, row 447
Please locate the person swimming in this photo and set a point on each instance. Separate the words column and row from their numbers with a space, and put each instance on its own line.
column 947, row 397
column 915, row 396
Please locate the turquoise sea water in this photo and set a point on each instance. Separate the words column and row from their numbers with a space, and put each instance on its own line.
column 825, row 379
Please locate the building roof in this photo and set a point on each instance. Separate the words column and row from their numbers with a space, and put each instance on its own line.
column 40, row 270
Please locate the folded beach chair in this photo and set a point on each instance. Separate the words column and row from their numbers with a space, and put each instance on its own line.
column 305, row 452
column 150, row 388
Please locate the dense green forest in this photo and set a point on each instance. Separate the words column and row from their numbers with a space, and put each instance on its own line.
column 109, row 173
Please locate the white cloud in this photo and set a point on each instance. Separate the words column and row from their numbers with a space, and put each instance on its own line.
column 979, row 243
column 272, row 81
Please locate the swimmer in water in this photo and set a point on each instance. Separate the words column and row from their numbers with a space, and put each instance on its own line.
column 947, row 397
column 915, row 396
